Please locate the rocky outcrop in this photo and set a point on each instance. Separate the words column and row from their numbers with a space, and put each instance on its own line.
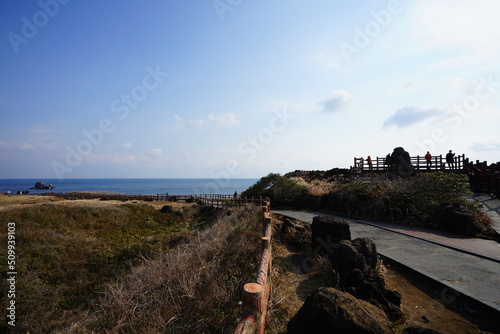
column 329, row 310
column 356, row 263
column 400, row 162
column 327, row 232
column 461, row 223
column 296, row 234
column 167, row 209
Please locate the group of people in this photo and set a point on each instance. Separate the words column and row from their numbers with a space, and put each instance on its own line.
column 450, row 159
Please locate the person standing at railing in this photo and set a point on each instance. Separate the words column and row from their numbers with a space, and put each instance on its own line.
column 370, row 163
column 428, row 160
column 450, row 159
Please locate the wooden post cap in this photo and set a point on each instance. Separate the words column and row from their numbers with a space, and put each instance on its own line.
column 253, row 288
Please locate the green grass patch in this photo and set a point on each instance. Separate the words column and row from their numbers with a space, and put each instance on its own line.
column 65, row 254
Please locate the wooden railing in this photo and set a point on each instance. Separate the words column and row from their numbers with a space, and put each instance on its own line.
column 438, row 162
column 255, row 295
column 216, row 200
column 491, row 174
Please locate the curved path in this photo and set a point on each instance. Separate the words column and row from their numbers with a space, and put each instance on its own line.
column 466, row 265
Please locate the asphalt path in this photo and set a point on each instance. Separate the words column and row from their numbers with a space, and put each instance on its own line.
column 467, row 266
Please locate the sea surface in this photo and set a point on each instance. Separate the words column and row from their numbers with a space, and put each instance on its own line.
column 132, row 186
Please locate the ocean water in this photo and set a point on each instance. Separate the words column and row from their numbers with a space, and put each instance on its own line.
column 132, row 186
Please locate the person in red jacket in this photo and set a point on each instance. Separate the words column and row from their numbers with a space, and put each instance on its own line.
column 428, row 159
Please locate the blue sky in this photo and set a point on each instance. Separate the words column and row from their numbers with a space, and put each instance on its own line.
column 239, row 88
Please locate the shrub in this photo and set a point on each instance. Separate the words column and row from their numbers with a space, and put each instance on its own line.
column 283, row 191
column 421, row 200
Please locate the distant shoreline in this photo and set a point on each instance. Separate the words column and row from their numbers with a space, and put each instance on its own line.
column 130, row 186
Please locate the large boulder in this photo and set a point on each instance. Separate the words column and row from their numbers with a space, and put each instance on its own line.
column 356, row 264
column 401, row 162
column 327, row 232
column 296, row 234
column 329, row 310
column 461, row 223
column 360, row 253
column 167, row 209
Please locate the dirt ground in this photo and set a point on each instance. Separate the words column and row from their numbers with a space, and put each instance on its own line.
column 424, row 302
column 17, row 201
column 430, row 305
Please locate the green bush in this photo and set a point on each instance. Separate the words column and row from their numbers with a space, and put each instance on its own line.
column 281, row 190
column 420, row 200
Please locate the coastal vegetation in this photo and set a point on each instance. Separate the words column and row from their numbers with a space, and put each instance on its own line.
column 283, row 191
column 94, row 266
column 422, row 200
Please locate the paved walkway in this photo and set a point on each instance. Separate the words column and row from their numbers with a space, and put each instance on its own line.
column 469, row 266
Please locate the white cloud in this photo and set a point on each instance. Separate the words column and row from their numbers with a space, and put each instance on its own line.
column 320, row 56
column 127, row 145
column 40, row 129
column 156, row 152
column 117, row 159
column 14, row 145
column 455, row 61
column 198, row 123
column 408, row 116
column 226, row 119
column 486, row 146
column 335, row 101
column 468, row 25
column 178, row 118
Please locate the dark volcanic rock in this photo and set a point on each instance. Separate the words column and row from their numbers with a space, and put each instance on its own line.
column 327, row 232
column 329, row 310
column 167, row 209
column 356, row 261
column 461, row 223
column 358, row 254
column 296, row 234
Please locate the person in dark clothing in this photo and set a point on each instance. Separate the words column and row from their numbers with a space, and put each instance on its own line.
column 475, row 178
column 450, row 159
